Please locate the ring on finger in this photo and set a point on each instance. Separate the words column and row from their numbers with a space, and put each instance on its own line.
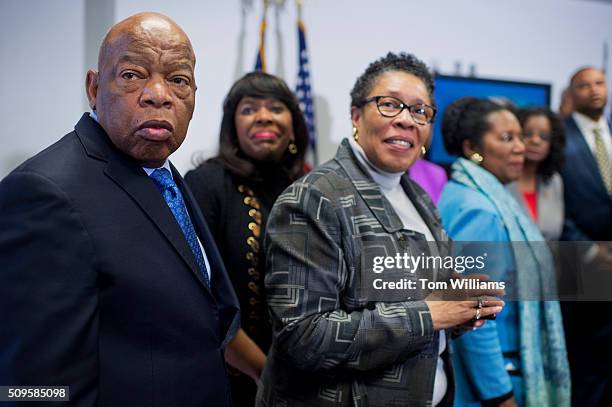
column 480, row 303
column 477, row 317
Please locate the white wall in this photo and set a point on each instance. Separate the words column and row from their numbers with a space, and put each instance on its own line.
column 530, row 40
column 41, row 75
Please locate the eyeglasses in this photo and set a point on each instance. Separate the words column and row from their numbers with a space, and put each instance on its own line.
column 543, row 136
column 389, row 106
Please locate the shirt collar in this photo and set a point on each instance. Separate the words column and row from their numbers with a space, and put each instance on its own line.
column 166, row 165
column 586, row 124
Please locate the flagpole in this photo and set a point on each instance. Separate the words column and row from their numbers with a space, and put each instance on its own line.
column 298, row 4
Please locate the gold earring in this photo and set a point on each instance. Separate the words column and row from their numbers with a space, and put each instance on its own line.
column 355, row 134
column 423, row 151
column 476, row 158
column 292, row 148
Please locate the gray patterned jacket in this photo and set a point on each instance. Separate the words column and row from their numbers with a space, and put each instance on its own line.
column 338, row 342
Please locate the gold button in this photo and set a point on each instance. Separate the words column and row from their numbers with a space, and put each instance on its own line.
column 252, row 201
column 253, row 243
column 254, row 274
column 255, row 214
column 252, row 257
column 253, row 287
column 254, row 227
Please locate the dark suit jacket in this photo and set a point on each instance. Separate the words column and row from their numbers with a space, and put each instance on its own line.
column 588, row 209
column 588, row 206
column 99, row 290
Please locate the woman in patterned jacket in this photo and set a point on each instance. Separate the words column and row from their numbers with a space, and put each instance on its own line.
column 347, row 332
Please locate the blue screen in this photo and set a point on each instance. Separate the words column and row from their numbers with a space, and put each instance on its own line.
column 450, row 88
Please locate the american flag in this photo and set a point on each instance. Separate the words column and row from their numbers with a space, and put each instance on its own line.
column 304, row 95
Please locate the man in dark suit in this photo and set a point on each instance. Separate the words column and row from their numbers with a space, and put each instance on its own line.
column 110, row 282
column 588, row 173
column 587, row 177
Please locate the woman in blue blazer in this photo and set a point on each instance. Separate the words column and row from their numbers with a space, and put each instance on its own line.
column 520, row 358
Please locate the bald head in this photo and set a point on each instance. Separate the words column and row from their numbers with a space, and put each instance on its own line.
column 589, row 91
column 582, row 70
column 142, row 27
column 144, row 91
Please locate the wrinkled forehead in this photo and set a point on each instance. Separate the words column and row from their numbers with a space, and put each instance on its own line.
column 155, row 39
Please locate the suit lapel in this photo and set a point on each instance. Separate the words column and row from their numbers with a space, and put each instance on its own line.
column 224, row 295
column 381, row 208
column 132, row 179
column 137, row 184
column 368, row 189
column 583, row 151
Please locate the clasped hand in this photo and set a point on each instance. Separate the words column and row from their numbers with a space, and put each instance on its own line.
column 464, row 308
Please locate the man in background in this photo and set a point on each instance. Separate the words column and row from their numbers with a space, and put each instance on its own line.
column 587, row 178
column 110, row 281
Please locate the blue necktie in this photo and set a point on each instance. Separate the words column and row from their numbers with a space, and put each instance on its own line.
column 163, row 180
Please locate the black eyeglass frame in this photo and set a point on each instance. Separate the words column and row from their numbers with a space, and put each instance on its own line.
column 402, row 107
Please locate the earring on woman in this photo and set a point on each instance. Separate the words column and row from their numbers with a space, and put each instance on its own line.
column 292, row 148
column 355, row 134
column 476, row 158
column 423, row 151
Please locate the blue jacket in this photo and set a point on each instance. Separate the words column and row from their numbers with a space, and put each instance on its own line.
column 468, row 215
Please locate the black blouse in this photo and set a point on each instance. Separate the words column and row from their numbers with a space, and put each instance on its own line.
column 236, row 210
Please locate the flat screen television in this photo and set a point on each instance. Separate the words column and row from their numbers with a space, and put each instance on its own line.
column 450, row 88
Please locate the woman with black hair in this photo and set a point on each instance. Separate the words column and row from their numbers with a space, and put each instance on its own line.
column 519, row 359
column 262, row 145
column 540, row 187
column 342, row 336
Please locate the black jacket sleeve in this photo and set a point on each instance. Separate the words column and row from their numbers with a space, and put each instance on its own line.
column 48, row 290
